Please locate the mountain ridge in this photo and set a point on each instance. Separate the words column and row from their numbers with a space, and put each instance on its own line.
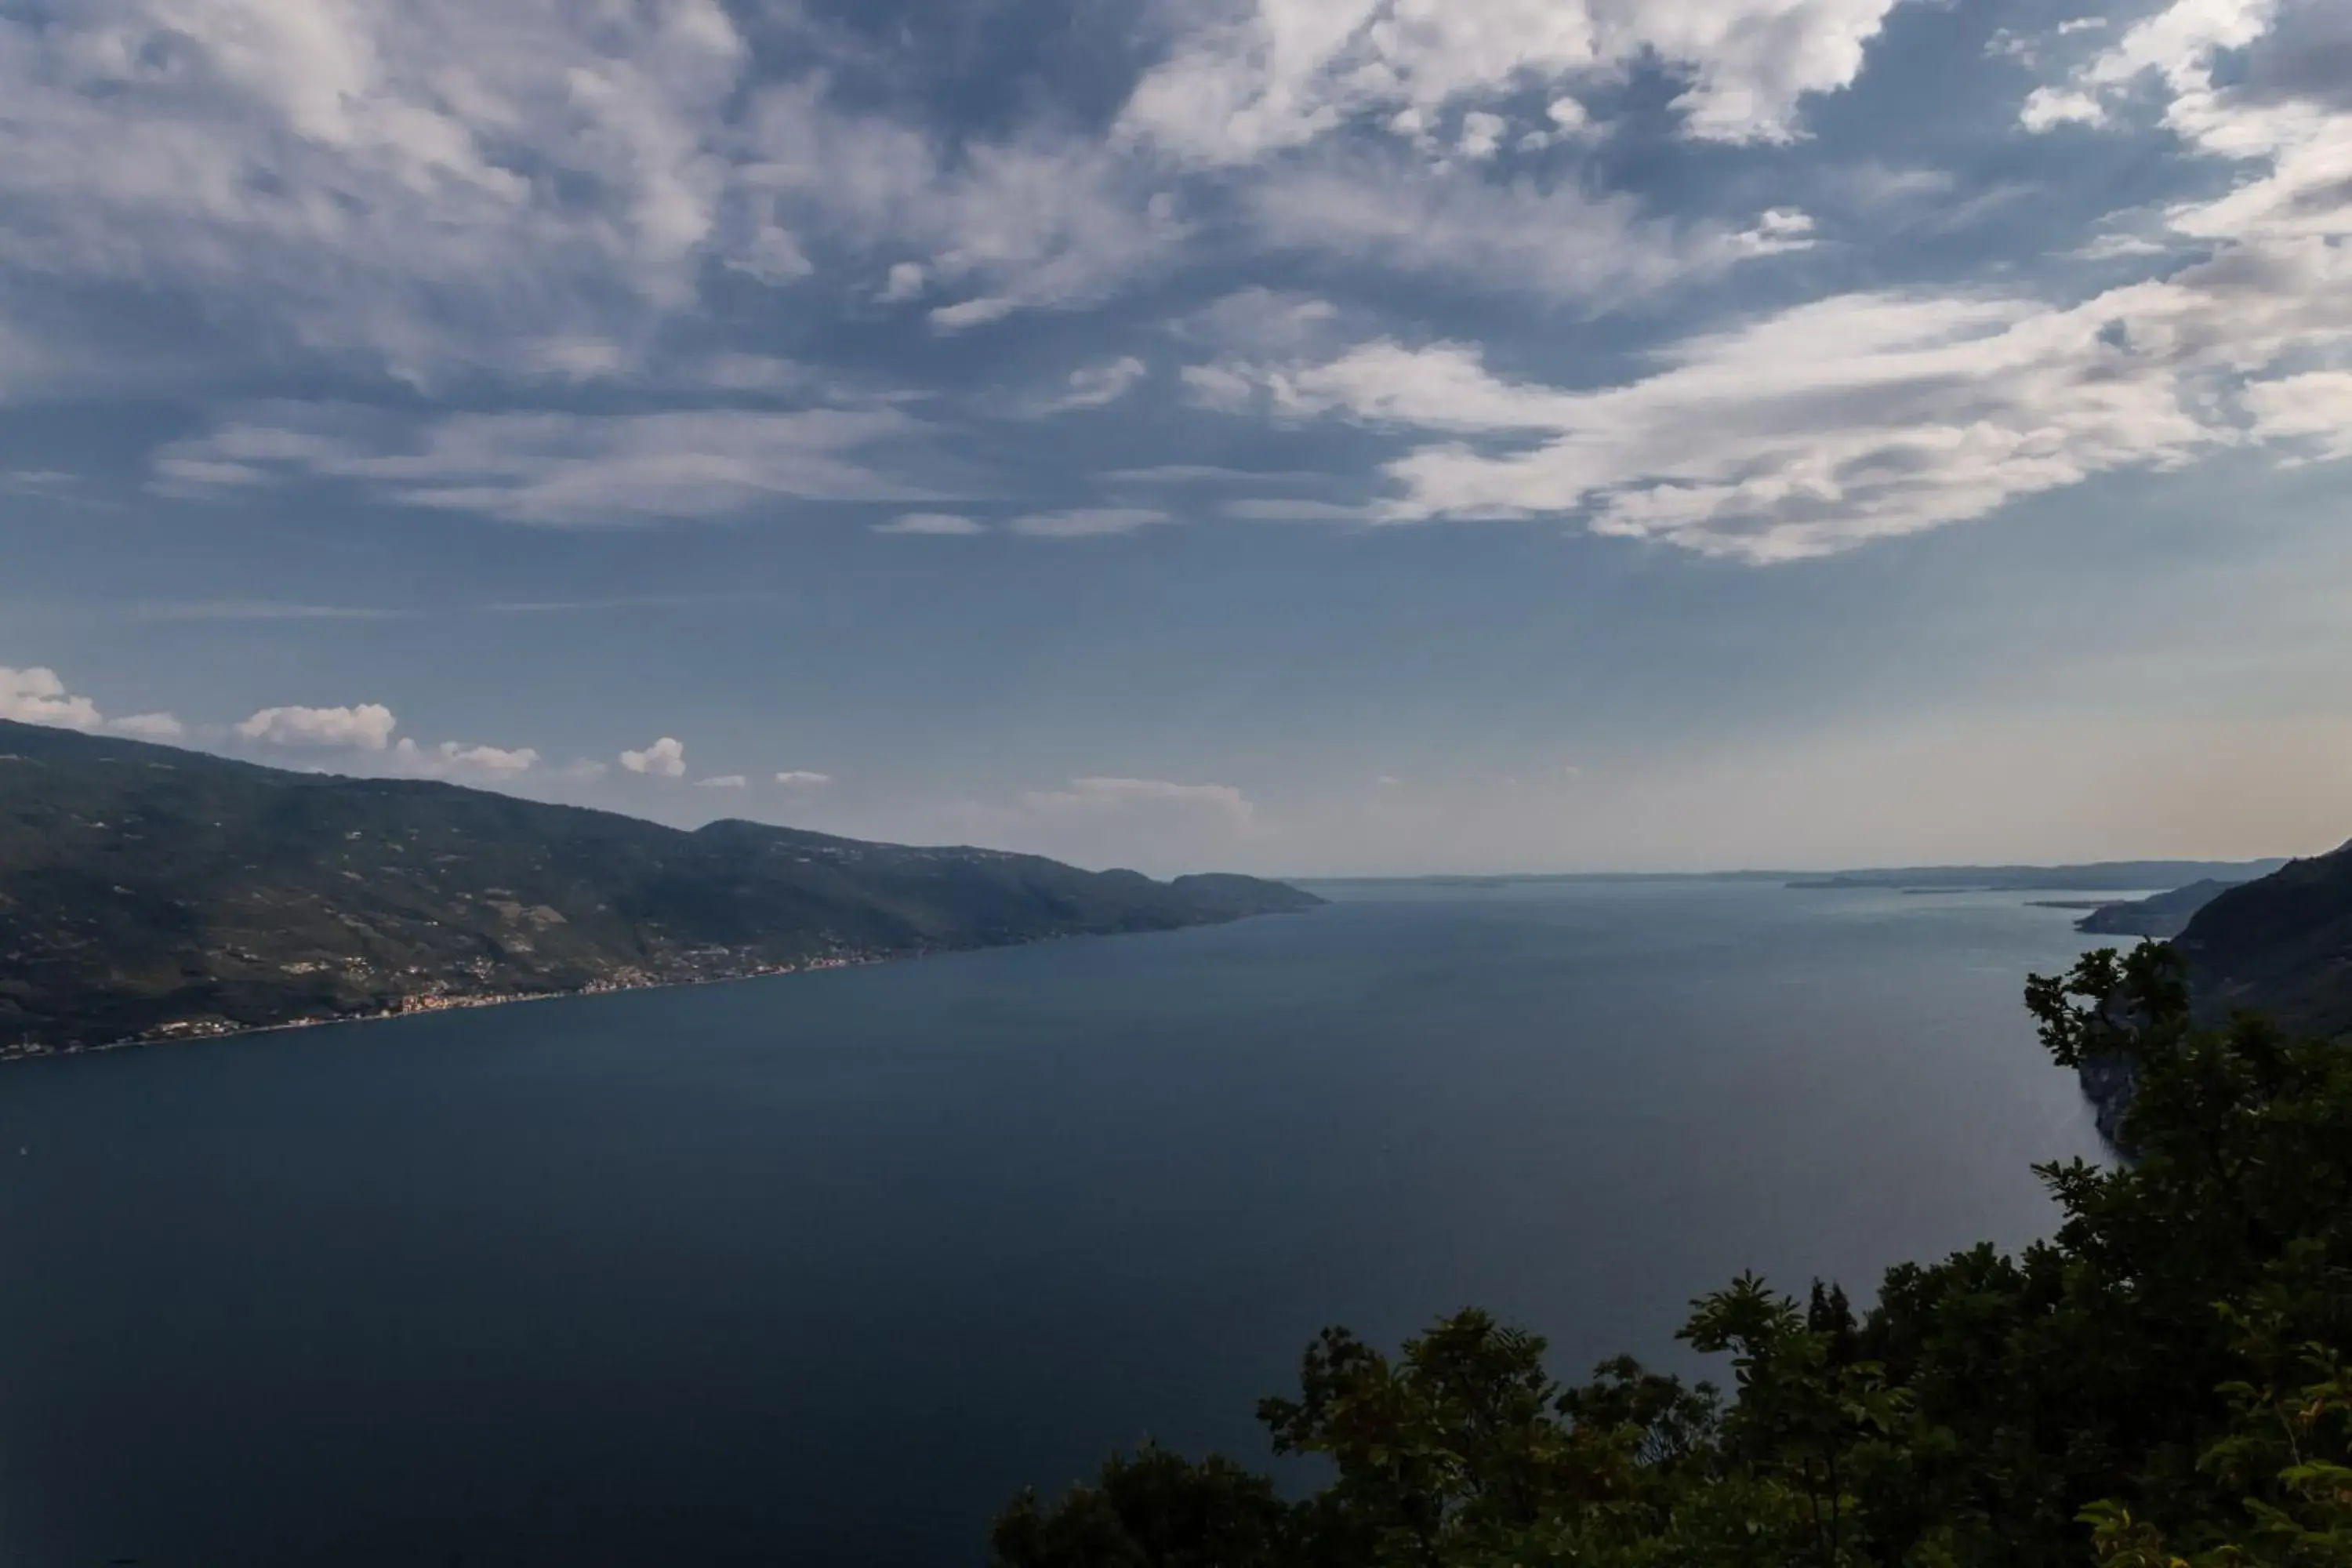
column 2281, row 945
column 152, row 893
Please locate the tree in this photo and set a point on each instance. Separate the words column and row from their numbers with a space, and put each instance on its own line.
column 2161, row 1385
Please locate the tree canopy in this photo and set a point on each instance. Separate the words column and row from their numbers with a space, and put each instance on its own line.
column 2160, row 1385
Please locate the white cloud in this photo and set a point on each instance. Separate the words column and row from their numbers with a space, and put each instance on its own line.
column 454, row 760
column 562, row 469
column 1259, row 321
column 1225, row 387
column 801, row 778
column 1778, row 229
column 1095, row 386
column 149, row 726
column 1482, row 134
column 723, row 780
column 975, row 312
column 1039, row 221
column 367, row 727
column 38, row 696
column 2117, row 248
column 1848, row 419
column 666, row 758
column 2313, row 408
column 2047, row 108
column 447, row 184
column 442, row 189
column 1868, row 415
column 936, row 523
column 1555, row 241
column 1087, row 522
column 1284, row 73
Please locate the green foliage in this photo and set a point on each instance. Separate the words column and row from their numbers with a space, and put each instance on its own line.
column 2162, row 1384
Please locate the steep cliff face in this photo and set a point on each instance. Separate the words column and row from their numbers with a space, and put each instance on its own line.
column 2281, row 945
column 2108, row 1084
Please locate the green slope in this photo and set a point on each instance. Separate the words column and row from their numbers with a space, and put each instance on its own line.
column 2282, row 945
column 145, row 888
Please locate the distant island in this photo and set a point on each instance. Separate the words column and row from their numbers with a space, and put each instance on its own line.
column 2096, row 877
column 151, row 893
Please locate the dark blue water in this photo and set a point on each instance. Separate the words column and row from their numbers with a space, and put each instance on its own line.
column 819, row 1269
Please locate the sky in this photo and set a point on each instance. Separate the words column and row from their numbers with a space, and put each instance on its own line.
column 1310, row 437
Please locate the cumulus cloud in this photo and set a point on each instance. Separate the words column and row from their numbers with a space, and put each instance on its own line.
column 1284, row 73
column 666, row 758
column 561, row 469
column 368, row 727
column 973, row 312
column 935, row 523
column 1087, row 522
column 801, row 778
column 366, row 732
column 39, row 696
column 2312, row 413
column 1482, row 134
column 455, row 760
column 723, row 780
column 149, row 726
column 1094, row 386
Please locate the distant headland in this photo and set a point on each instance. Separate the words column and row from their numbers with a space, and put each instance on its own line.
column 149, row 893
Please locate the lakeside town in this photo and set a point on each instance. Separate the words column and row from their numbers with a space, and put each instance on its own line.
column 413, row 1004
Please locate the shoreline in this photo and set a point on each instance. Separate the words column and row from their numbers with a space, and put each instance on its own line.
column 190, row 1033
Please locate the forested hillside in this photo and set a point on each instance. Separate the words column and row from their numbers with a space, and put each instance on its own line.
column 146, row 890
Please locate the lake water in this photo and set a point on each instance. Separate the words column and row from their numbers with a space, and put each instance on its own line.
column 820, row 1269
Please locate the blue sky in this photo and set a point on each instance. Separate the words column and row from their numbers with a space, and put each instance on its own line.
column 1309, row 435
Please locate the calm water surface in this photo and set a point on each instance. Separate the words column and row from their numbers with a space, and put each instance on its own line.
column 819, row 1269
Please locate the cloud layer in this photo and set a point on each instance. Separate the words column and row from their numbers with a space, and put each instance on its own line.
column 38, row 695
